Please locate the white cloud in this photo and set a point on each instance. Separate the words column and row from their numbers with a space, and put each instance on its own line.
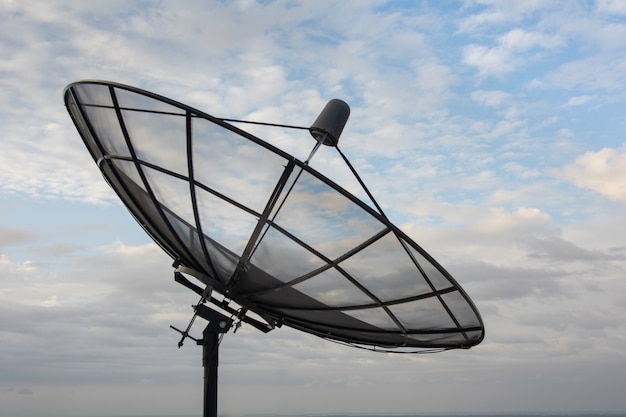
column 513, row 50
column 518, row 40
column 489, row 61
column 521, row 171
column 493, row 98
column 604, row 72
column 434, row 78
column 611, row 6
column 49, row 161
column 579, row 100
column 603, row 171
column 608, row 36
column 494, row 13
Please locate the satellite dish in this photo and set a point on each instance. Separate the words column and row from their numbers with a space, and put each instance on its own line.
column 267, row 232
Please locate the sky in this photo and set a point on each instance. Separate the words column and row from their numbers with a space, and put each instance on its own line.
column 492, row 133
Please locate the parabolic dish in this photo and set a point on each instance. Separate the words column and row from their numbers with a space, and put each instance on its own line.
column 265, row 229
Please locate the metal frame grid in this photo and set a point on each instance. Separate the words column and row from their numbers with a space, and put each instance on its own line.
column 265, row 229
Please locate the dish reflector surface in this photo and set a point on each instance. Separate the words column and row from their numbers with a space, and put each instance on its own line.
column 266, row 230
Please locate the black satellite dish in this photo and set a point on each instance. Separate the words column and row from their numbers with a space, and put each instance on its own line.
column 264, row 233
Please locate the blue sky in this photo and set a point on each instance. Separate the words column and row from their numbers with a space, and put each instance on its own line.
column 493, row 133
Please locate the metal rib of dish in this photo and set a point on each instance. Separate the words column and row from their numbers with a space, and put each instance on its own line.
column 266, row 230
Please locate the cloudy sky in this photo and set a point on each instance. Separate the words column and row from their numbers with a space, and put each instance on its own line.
column 493, row 133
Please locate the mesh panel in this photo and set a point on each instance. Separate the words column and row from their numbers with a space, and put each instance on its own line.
column 272, row 233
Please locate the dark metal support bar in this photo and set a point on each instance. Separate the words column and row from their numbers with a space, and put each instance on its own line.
column 210, row 361
column 218, row 324
column 223, row 304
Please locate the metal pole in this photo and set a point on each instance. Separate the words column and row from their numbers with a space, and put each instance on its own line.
column 218, row 324
column 210, row 361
